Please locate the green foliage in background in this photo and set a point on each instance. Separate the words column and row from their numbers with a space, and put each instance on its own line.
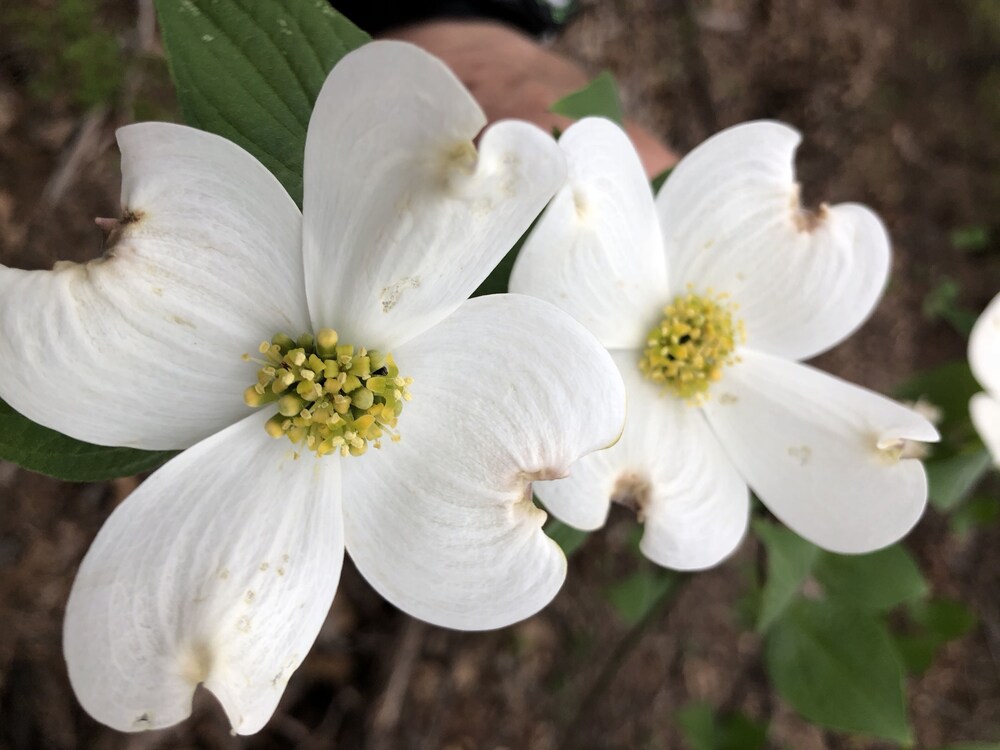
column 69, row 50
column 48, row 452
column 599, row 98
column 250, row 71
column 703, row 729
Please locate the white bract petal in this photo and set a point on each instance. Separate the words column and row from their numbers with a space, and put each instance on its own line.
column 506, row 390
column 822, row 454
column 142, row 348
column 219, row 570
column 984, row 359
column 732, row 223
column 596, row 252
column 985, row 412
column 403, row 217
column 670, row 468
column 984, row 348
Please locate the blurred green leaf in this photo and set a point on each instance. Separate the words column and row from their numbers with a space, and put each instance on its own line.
column 977, row 513
column 876, row 582
column 250, row 71
column 949, row 388
column 837, row 666
column 657, row 182
column 599, row 98
column 49, row 452
column 927, row 627
column 635, row 596
column 941, row 303
column 702, row 730
column 790, row 558
column 971, row 239
column 952, row 478
column 568, row 538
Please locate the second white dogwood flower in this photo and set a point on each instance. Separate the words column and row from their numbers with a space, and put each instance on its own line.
column 984, row 358
column 285, row 352
column 706, row 298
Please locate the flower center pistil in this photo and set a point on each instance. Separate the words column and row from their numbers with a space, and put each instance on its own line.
column 330, row 396
column 689, row 347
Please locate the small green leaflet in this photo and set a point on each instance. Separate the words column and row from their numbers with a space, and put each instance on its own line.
column 838, row 668
column 46, row 451
column 875, row 582
column 790, row 559
column 250, row 71
column 704, row 730
column 599, row 98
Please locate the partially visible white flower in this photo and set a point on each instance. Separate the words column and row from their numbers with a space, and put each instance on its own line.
column 221, row 567
column 984, row 358
column 706, row 297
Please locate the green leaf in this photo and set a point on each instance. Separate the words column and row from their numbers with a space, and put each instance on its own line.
column 941, row 303
column 599, row 98
column 927, row 627
column 971, row 239
column 697, row 724
column 250, row 71
column 657, row 182
column 876, row 582
column 977, row 513
column 568, row 538
column 48, row 452
column 949, row 388
column 952, row 478
column 704, row 731
column 838, row 668
column 636, row 595
column 790, row 558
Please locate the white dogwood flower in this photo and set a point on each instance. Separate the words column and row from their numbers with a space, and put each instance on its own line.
column 220, row 568
column 706, row 297
column 984, row 358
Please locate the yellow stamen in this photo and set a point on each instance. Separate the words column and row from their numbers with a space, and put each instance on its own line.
column 688, row 349
column 342, row 397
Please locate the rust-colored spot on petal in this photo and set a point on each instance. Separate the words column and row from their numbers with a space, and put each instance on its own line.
column 633, row 492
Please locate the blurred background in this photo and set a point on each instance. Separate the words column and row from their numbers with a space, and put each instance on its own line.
column 899, row 104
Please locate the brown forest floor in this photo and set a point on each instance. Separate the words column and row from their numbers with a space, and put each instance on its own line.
column 899, row 103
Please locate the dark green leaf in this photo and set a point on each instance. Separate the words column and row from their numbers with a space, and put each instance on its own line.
column 657, row 182
column 977, row 513
column 949, row 388
column 877, row 581
column 837, row 667
column 599, row 98
column 927, row 627
column 636, row 595
column 48, row 452
column 790, row 558
column 941, row 303
column 952, row 478
column 702, row 730
column 250, row 70
column 971, row 239
column 697, row 724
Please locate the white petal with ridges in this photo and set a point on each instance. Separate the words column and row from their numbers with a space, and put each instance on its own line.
column 403, row 218
column 597, row 251
column 670, row 467
column 820, row 452
column 984, row 348
column 506, row 390
column 142, row 348
column 985, row 412
column 219, row 569
column 732, row 222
